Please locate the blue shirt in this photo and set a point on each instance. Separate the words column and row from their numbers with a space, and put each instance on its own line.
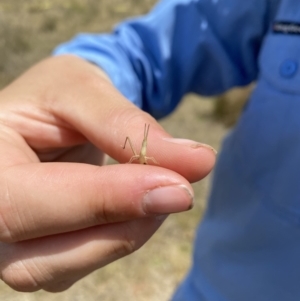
column 248, row 244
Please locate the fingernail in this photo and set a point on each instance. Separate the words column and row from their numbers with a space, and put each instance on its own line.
column 169, row 199
column 190, row 143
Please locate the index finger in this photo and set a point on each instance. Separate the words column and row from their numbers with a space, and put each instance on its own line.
column 106, row 118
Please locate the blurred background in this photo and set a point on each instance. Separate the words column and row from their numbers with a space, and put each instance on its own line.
column 29, row 30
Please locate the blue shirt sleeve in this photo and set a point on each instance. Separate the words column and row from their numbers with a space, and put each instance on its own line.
column 181, row 46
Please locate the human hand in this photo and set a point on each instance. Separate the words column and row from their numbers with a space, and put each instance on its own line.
column 61, row 214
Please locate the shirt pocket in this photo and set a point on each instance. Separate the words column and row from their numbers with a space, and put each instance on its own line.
column 279, row 62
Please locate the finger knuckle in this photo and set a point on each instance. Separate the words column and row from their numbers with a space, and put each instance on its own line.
column 5, row 233
column 8, row 217
column 129, row 117
column 128, row 243
column 124, row 247
column 102, row 210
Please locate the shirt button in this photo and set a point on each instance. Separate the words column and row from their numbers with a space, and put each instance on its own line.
column 288, row 68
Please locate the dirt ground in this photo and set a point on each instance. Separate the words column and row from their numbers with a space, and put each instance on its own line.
column 29, row 30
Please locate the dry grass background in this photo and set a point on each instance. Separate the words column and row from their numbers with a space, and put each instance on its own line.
column 28, row 32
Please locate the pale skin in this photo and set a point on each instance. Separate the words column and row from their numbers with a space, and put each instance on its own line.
column 63, row 214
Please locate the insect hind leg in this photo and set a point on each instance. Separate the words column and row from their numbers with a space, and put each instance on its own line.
column 135, row 157
column 152, row 159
